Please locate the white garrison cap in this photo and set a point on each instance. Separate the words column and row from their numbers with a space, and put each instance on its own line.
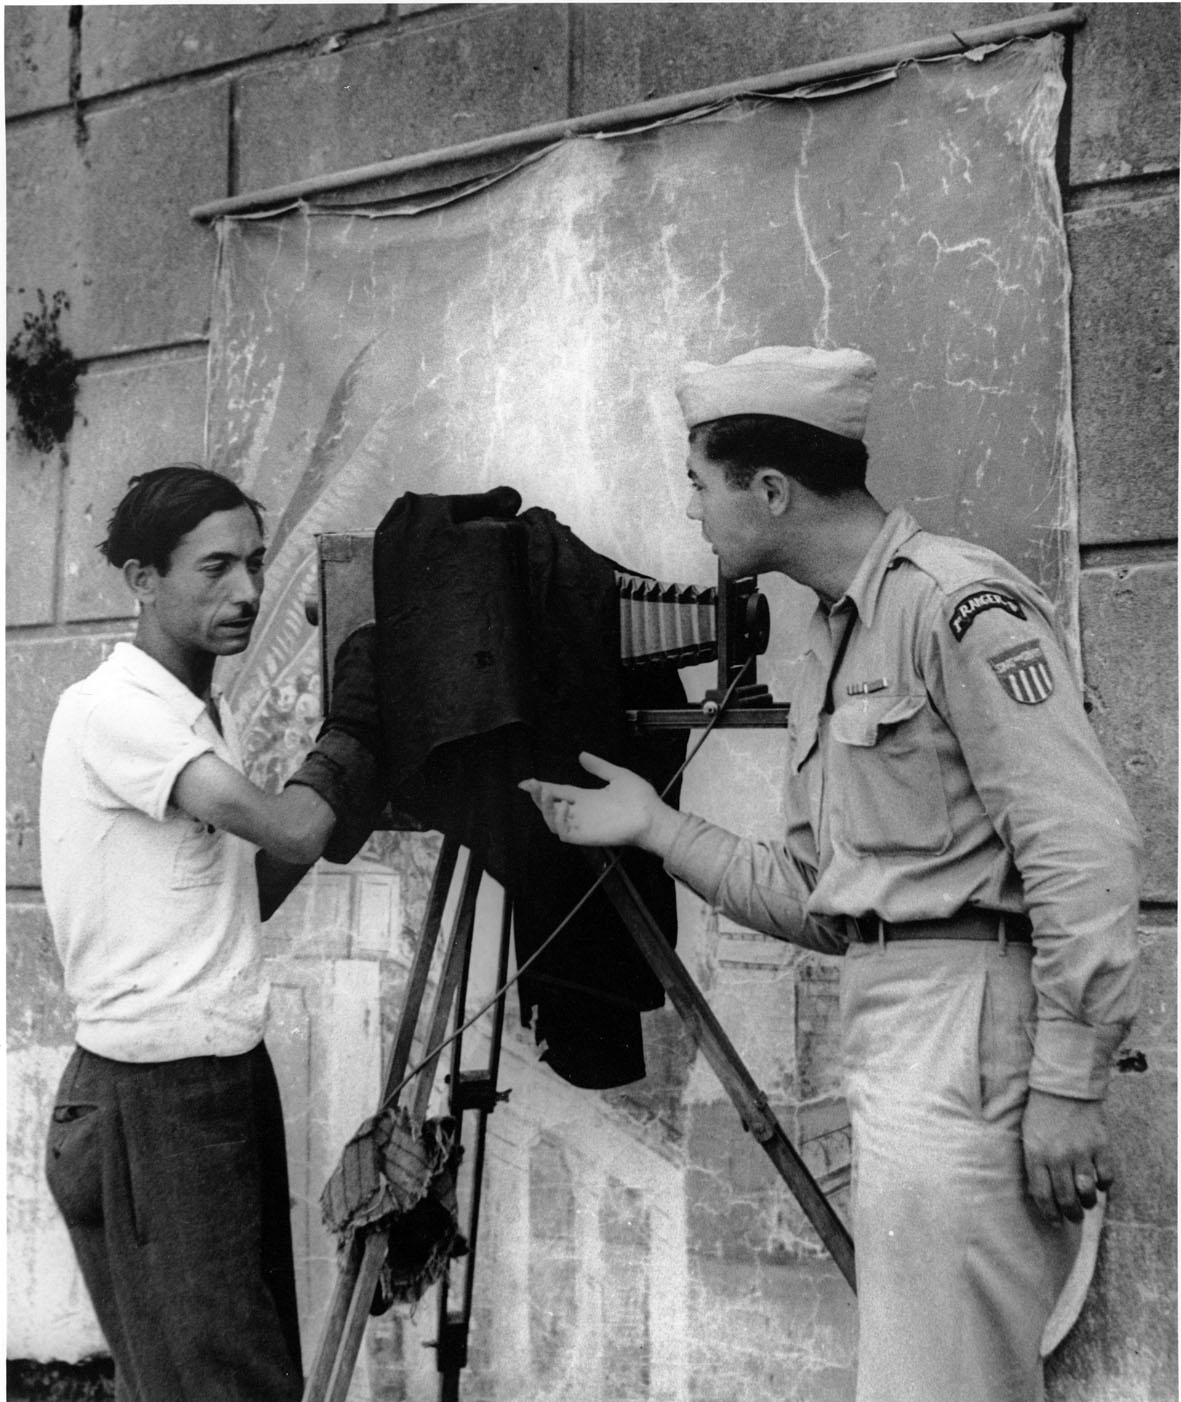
column 829, row 389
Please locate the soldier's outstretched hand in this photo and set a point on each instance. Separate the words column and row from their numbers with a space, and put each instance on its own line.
column 617, row 815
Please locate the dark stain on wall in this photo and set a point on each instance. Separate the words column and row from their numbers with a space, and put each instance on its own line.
column 43, row 376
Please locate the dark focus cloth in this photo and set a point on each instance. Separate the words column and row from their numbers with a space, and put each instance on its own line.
column 172, row 1179
column 498, row 658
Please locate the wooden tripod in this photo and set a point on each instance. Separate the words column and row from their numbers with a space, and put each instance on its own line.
column 357, row 1279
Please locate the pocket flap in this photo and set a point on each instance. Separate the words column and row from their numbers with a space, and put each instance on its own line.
column 862, row 721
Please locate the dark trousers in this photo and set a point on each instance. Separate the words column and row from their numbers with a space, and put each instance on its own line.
column 172, row 1179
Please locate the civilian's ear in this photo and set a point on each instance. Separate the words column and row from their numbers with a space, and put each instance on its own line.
column 141, row 580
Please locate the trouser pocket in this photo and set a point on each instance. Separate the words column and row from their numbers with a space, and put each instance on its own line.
column 1007, row 1024
column 73, row 1161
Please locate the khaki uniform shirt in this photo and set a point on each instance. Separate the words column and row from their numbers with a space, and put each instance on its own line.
column 939, row 757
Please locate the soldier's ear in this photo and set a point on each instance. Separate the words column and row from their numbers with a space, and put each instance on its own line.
column 773, row 488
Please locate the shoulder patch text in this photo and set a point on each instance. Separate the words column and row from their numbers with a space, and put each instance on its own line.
column 1024, row 672
column 967, row 610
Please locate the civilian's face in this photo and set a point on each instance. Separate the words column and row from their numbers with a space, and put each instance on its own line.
column 208, row 601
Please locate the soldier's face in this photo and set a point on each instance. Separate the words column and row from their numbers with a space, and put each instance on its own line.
column 733, row 519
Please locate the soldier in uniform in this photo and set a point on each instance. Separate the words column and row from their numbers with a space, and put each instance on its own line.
column 953, row 833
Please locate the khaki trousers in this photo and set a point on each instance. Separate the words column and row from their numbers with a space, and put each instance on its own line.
column 956, row 1271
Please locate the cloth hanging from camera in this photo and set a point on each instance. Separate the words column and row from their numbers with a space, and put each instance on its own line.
column 498, row 658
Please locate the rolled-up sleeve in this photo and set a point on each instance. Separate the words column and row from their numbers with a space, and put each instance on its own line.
column 134, row 749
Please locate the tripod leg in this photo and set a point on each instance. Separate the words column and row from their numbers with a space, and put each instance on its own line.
column 487, row 1105
column 327, row 1350
column 472, row 1091
column 727, row 1065
column 372, row 1258
column 358, row 1272
column 420, row 969
column 453, row 973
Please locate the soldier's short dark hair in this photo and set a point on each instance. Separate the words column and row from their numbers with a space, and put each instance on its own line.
column 826, row 463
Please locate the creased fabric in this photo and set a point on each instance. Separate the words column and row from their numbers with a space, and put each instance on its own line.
column 398, row 1174
column 498, row 658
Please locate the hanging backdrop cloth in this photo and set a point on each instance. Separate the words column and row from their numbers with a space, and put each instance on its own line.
column 530, row 331
column 527, row 326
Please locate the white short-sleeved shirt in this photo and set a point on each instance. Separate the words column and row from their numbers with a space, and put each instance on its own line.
column 154, row 914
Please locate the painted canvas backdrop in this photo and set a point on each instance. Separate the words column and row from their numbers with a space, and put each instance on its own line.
column 528, row 332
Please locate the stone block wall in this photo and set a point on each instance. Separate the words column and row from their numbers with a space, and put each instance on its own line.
column 120, row 119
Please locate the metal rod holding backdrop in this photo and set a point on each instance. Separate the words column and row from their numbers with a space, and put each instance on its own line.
column 658, row 109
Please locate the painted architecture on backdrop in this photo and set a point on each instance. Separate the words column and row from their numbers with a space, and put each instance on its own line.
column 636, row 1237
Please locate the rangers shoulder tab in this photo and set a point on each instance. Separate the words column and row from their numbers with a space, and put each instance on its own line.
column 972, row 605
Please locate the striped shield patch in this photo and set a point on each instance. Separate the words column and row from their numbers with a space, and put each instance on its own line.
column 1024, row 672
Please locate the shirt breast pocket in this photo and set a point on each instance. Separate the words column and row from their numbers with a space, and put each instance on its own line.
column 884, row 782
column 199, row 859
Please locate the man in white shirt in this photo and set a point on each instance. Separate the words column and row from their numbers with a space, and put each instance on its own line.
column 166, row 1152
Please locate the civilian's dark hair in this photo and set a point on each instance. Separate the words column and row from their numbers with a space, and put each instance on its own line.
column 828, row 464
column 163, row 505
